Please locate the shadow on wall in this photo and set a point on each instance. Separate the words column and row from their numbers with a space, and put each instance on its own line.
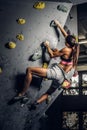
column 19, row 84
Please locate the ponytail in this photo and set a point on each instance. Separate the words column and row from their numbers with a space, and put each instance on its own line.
column 71, row 40
column 75, row 54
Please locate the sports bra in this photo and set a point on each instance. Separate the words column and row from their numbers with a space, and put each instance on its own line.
column 66, row 60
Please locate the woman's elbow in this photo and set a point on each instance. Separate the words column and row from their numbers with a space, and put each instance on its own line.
column 51, row 56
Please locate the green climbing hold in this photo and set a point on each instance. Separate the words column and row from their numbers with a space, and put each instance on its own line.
column 62, row 8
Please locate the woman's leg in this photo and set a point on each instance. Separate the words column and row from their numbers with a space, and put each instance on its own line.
column 42, row 98
column 33, row 106
column 45, row 96
column 38, row 71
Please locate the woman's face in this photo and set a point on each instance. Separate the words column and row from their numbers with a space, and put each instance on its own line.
column 73, row 40
column 67, row 44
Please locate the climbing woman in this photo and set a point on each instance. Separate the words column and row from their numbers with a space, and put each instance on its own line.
column 58, row 71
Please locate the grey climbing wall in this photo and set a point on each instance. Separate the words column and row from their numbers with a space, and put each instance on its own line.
column 14, row 62
column 72, row 22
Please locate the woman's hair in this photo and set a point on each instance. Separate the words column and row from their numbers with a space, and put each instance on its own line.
column 71, row 40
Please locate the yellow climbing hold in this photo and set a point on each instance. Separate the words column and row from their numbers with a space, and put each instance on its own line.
column 39, row 5
column 11, row 45
column 20, row 37
column 0, row 70
column 21, row 21
column 45, row 65
column 66, row 84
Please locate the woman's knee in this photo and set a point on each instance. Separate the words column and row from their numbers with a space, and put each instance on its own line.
column 28, row 70
column 28, row 74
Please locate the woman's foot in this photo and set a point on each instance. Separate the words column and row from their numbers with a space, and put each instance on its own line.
column 19, row 97
column 33, row 106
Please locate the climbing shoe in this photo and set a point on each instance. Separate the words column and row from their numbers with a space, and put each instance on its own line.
column 33, row 106
column 19, row 97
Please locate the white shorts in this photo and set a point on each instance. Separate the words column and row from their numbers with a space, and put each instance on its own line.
column 57, row 73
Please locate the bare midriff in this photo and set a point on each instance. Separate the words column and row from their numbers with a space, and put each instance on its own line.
column 65, row 67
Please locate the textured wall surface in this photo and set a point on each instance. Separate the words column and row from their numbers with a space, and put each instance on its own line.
column 15, row 61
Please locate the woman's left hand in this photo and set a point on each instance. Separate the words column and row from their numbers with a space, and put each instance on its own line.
column 46, row 43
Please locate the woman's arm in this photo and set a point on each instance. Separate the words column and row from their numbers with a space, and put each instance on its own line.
column 53, row 53
column 50, row 51
column 60, row 27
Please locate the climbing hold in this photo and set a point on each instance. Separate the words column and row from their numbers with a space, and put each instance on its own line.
column 52, row 24
column 0, row 70
column 20, row 37
column 45, row 65
column 11, row 45
column 21, row 21
column 37, row 54
column 62, row 8
column 48, row 100
column 66, row 84
column 39, row 5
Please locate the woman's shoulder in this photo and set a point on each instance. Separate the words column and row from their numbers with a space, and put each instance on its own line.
column 67, row 48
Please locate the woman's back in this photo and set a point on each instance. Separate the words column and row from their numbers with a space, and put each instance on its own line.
column 66, row 59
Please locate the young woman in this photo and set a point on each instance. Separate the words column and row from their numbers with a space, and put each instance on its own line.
column 69, row 57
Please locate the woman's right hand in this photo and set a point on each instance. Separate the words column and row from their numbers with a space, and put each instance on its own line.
column 57, row 22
